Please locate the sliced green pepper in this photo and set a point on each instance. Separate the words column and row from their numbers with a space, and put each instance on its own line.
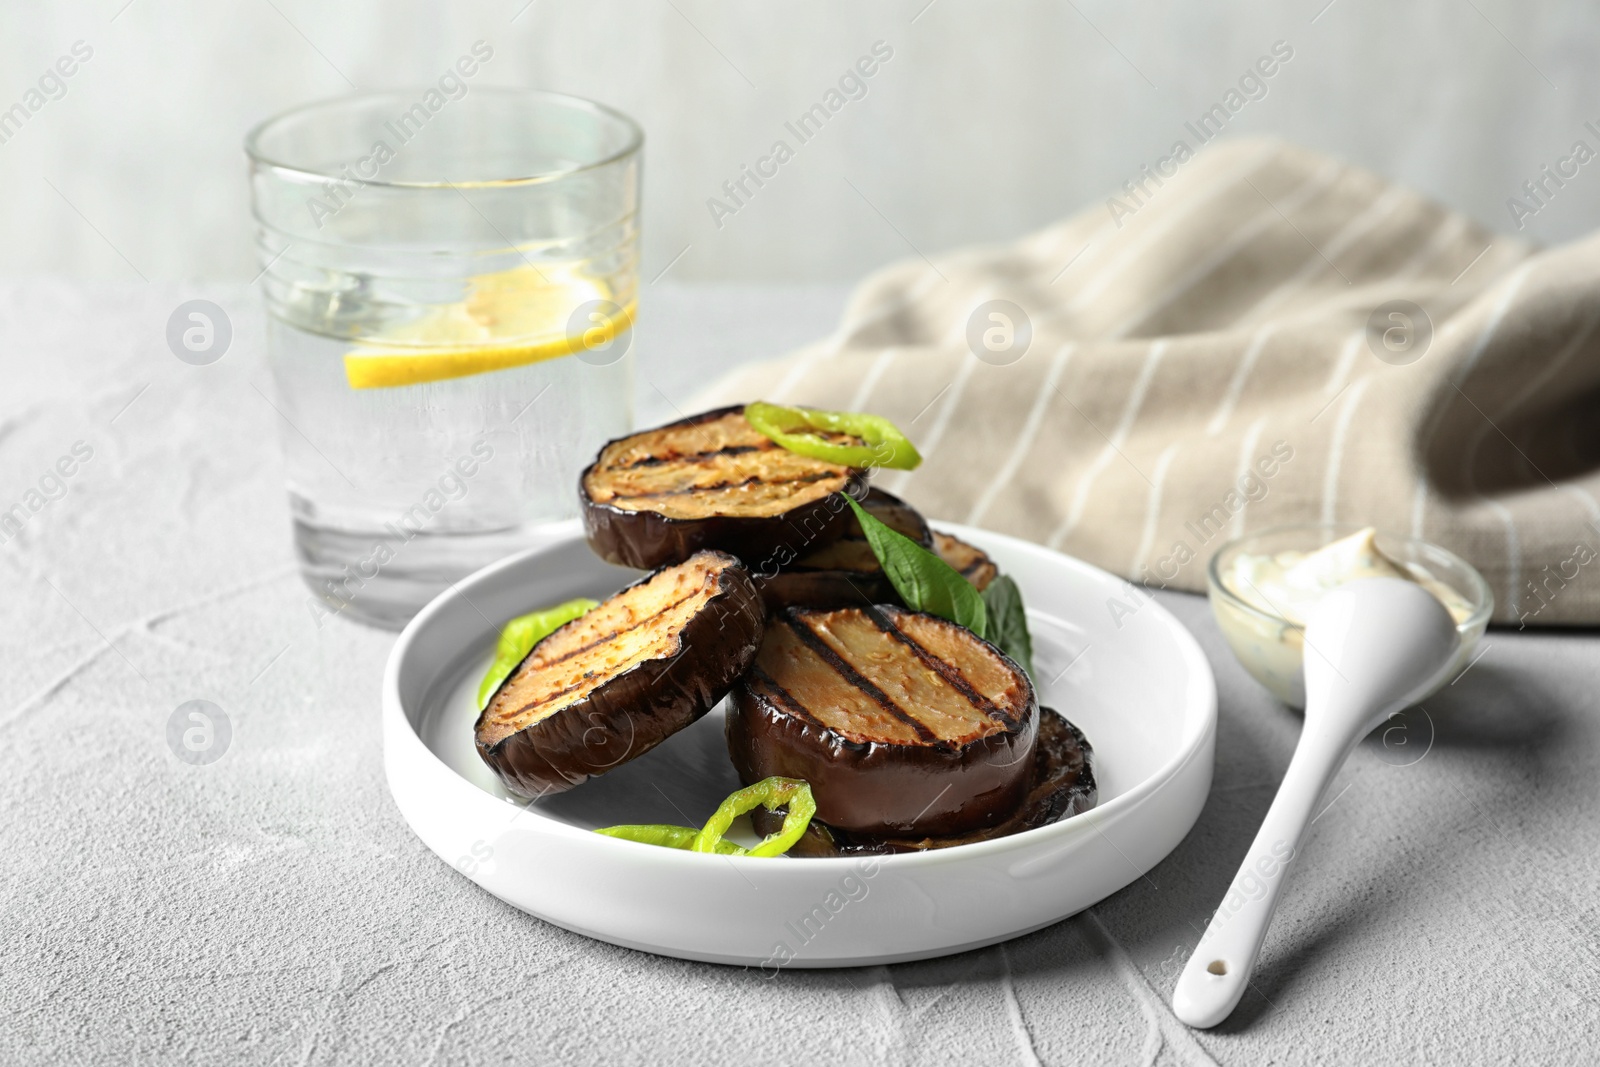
column 800, row 430
column 519, row 636
column 769, row 793
column 665, row 836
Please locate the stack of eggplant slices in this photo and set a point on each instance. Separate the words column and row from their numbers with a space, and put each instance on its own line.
column 879, row 671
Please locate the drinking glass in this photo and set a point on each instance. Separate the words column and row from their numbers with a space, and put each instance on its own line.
column 450, row 283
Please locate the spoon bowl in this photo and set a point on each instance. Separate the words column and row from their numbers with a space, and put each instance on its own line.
column 1371, row 648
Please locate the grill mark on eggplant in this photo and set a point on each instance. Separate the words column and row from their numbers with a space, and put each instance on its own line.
column 584, row 679
column 580, row 717
column 938, row 666
column 717, row 487
column 611, row 635
column 693, row 457
column 658, row 496
column 971, row 776
column 782, row 696
column 820, row 649
column 579, row 684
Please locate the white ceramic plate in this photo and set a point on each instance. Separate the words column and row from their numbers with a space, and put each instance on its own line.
column 1137, row 685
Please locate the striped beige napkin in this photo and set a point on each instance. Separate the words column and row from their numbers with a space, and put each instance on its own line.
column 1260, row 335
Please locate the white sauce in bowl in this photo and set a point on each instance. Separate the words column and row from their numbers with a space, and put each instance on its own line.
column 1282, row 588
column 1289, row 584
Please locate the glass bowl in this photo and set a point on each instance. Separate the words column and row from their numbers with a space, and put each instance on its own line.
column 1271, row 647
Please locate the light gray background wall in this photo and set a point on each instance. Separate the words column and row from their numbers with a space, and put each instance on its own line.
column 991, row 119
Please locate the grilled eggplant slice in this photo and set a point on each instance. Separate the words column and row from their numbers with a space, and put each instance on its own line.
column 903, row 723
column 611, row 685
column 973, row 563
column 893, row 513
column 845, row 573
column 711, row 481
column 1062, row 785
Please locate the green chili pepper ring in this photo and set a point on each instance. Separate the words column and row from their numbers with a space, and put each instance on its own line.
column 519, row 636
column 799, row 430
column 769, row 793
column 665, row 836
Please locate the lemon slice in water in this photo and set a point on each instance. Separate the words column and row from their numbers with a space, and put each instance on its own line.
column 509, row 318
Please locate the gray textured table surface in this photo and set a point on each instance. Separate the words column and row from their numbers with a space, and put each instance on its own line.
column 273, row 907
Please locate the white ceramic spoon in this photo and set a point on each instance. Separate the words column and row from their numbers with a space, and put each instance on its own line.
column 1371, row 647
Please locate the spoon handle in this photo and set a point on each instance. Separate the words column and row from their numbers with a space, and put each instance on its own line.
column 1216, row 975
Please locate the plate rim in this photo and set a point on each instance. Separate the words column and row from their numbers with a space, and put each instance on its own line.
column 558, row 535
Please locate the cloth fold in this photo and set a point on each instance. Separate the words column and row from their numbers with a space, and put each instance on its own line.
column 1267, row 336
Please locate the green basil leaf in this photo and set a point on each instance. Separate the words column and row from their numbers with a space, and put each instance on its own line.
column 923, row 580
column 520, row 635
column 1008, row 622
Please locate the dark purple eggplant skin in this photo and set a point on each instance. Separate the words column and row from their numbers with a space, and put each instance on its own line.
column 825, row 589
column 897, row 515
column 1063, row 785
column 648, row 539
column 886, row 789
column 634, row 712
column 802, row 586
